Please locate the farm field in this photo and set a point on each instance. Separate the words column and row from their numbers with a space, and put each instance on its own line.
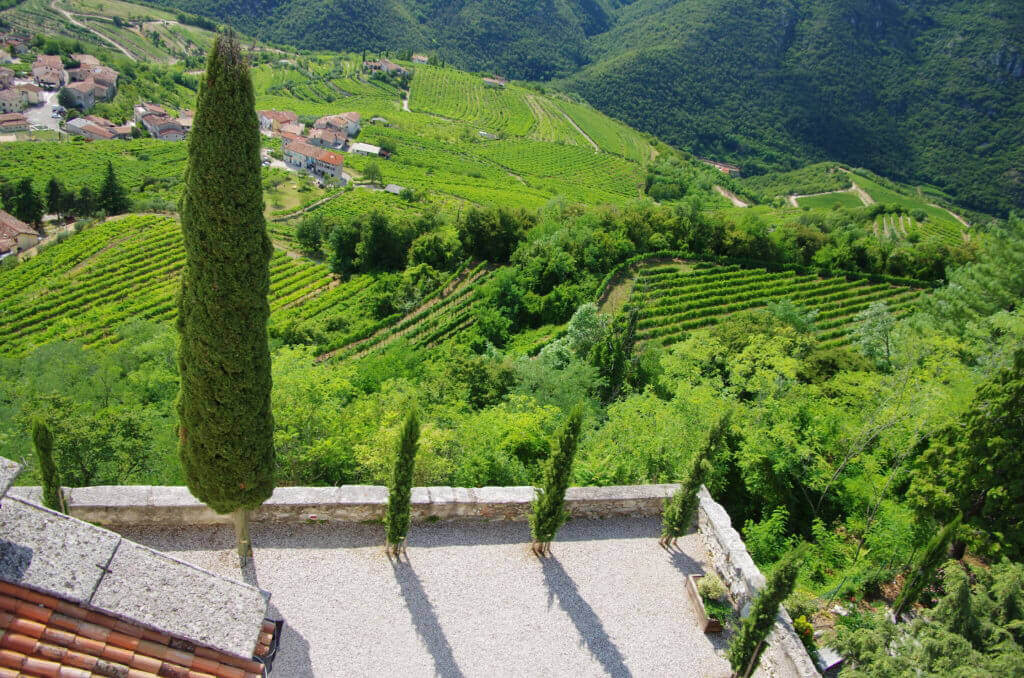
column 939, row 222
column 672, row 301
column 453, row 94
column 829, row 200
column 611, row 136
column 124, row 269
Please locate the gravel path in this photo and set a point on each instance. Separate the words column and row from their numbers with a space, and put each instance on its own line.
column 471, row 600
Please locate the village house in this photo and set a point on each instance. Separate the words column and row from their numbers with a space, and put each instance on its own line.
column 496, row 83
column 13, row 122
column 12, row 228
column 14, row 44
column 81, row 95
column 76, row 595
column 31, row 93
column 420, row 58
column 163, row 127
column 272, row 120
column 48, row 71
column 328, row 138
column 102, row 79
column 84, row 127
column 12, row 101
column 85, row 60
column 394, row 189
column 301, row 154
column 386, row 66
column 330, row 164
column 185, row 117
column 722, row 167
column 364, row 149
column 6, row 77
column 349, row 123
column 296, row 128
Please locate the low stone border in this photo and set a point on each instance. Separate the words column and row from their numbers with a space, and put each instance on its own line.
column 114, row 506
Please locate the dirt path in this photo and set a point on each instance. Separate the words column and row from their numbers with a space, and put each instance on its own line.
column 861, row 193
column 953, row 214
column 854, row 188
column 405, row 104
column 597, row 149
column 69, row 17
column 731, row 197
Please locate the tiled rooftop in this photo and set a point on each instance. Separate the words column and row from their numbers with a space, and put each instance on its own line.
column 76, row 598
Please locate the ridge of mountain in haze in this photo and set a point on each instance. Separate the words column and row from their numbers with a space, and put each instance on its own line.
column 921, row 90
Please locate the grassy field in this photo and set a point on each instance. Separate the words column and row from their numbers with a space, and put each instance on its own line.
column 830, row 200
column 672, row 301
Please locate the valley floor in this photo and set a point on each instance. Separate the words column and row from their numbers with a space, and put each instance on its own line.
column 471, row 600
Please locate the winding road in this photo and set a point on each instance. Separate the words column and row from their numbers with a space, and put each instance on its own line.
column 67, row 15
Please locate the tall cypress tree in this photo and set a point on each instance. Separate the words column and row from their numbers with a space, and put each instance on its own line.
column 43, row 439
column 225, row 423
column 748, row 644
column 28, row 206
column 923, row 571
column 55, row 201
column 400, row 488
column 679, row 509
column 112, row 198
column 549, row 512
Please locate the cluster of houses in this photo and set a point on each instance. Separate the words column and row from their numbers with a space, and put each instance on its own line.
column 315, row 152
column 15, row 235
column 389, row 67
column 16, row 97
column 162, row 125
column 98, row 128
column 90, row 82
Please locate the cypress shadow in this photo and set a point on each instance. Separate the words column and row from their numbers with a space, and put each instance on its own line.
column 293, row 656
column 588, row 624
column 428, row 627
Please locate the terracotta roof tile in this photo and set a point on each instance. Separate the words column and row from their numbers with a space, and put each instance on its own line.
column 45, row 636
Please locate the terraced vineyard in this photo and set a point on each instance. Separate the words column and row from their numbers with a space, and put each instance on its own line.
column 610, row 135
column 117, row 271
column 939, row 223
column 673, row 301
column 454, row 94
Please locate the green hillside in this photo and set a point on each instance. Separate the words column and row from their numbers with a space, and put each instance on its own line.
column 926, row 93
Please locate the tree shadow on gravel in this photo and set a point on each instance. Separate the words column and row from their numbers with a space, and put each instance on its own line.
column 428, row 627
column 588, row 624
column 293, row 650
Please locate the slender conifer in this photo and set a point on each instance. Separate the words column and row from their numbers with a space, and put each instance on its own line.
column 225, row 425
column 400, row 488
column 681, row 506
column 53, row 498
column 749, row 642
column 923, row 571
column 549, row 512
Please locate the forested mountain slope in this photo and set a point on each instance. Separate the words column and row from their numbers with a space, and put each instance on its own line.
column 922, row 90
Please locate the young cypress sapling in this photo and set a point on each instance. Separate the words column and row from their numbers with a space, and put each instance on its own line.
column 923, row 571
column 549, row 512
column 225, row 435
column 748, row 643
column 53, row 498
column 680, row 507
column 400, row 488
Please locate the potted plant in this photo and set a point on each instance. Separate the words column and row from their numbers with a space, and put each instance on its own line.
column 711, row 601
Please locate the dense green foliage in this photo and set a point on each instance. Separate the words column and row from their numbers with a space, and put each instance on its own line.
column 747, row 645
column 972, row 629
column 396, row 522
column 548, row 511
column 225, row 427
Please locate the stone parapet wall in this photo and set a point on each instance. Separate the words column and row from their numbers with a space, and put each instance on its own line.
column 115, row 506
column 786, row 655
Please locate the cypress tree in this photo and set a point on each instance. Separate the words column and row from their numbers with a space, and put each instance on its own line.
column 53, row 498
column 923, row 571
column 225, row 424
column 112, row 198
column 55, row 201
column 400, row 488
column 28, row 206
column 679, row 509
column 748, row 643
column 549, row 507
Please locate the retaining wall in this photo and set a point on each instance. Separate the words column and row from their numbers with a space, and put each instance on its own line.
column 115, row 506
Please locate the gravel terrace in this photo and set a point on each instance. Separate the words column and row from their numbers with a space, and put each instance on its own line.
column 471, row 600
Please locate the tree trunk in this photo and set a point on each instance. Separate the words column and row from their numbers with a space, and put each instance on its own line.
column 956, row 551
column 753, row 661
column 241, row 520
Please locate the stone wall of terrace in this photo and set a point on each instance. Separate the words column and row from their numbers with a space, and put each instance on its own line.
column 122, row 506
